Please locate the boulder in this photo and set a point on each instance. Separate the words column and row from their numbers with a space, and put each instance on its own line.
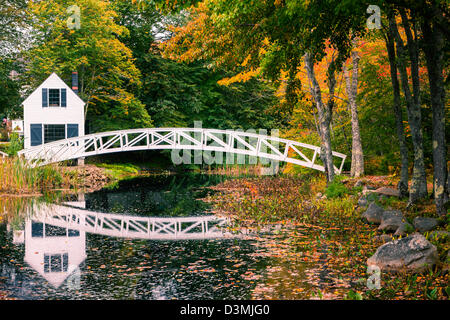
column 359, row 183
column 383, row 238
column 404, row 229
column 412, row 254
column 391, row 214
column 391, row 220
column 423, row 224
column 367, row 188
column 391, row 224
column 390, row 192
column 362, row 201
column 374, row 213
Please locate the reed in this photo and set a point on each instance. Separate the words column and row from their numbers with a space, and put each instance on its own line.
column 18, row 177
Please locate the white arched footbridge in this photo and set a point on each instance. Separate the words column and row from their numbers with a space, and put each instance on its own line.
column 228, row 141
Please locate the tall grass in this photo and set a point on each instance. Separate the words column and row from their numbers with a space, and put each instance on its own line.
column 18, row 177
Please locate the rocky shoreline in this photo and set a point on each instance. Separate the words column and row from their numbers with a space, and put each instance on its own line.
column 406, row 245
column 88, row 178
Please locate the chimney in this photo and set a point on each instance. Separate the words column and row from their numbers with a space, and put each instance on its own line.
column 75, row 82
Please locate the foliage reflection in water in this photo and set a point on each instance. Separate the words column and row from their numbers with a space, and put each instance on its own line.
column 44, row 259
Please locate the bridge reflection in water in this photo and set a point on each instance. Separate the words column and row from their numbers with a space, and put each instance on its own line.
column 55, row 235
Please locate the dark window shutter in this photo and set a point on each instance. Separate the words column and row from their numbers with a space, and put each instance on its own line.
column 65, row 262
column 63, row 98
column 36, row 134
column 72, row 130
column 44, row 97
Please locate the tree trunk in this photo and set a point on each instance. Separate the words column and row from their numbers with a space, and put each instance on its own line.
column 324, row 113
column 433, row 49
column 357, row 167
column 331, row 77
column 418, row 182
column 404, row 174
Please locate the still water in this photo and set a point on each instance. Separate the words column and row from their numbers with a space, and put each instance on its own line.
column 148, row 238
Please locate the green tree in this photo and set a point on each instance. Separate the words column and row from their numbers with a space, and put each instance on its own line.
column 13, row 21
column 176, row 93
column 10, row 89
column 107, row 74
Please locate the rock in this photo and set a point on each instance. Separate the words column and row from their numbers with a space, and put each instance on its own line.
column 423, row 224
column 404, row 229
column 392, row 213
column 390, row 192
column 383, row 238
column 413, row 254
column 368, row 188
column 362, row 201
column 359, row 183
column 391, row 221
column 390, row 224
column 374, row 213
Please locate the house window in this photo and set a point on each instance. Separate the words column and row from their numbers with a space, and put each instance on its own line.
column 54, row 132
column 56, row 262
column 54, row 97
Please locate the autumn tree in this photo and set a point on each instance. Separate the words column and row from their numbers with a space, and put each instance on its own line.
column 434, row 23
column 266, row 38
column 13, row 24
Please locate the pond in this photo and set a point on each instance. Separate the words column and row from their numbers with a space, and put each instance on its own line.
column 147, row 238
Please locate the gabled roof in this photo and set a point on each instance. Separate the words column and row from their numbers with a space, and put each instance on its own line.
column 54, row 76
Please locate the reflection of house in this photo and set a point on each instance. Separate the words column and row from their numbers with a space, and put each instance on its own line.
column 54, row 252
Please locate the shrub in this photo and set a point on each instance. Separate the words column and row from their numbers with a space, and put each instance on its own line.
column 335, row 189
column 15, row 144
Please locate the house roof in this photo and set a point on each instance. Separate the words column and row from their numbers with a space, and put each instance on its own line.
column 52, row 77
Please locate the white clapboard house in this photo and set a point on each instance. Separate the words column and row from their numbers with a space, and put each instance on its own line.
column 54, row 111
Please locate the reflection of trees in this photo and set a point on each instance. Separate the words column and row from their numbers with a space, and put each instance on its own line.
column 155, row 195
column 14, row 210
column 141, row 269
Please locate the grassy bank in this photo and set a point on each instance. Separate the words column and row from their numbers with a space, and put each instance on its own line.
column 322, row 227
column 17, row 177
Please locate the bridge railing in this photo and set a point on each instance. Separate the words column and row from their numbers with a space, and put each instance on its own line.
column 228, row 141
column 129, row 226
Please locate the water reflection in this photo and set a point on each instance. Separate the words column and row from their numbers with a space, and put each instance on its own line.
column 55, row 234
column 76, row 250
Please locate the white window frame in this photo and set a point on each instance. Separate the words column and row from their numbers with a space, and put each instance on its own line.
column 48, row 98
